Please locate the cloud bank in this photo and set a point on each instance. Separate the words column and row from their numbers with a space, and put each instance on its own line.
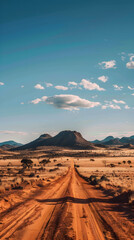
column 67, row 102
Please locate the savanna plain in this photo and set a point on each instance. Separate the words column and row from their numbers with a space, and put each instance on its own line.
column 58, row 193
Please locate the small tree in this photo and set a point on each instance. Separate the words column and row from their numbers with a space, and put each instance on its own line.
column 104, row 162
column 129, row 162
column 26, row 162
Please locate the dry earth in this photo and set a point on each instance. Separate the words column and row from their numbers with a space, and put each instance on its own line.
column 59, row 204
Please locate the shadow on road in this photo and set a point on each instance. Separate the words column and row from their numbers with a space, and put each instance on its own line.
column 71, row 199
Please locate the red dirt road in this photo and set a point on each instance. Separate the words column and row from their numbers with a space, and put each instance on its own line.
column 65, row 210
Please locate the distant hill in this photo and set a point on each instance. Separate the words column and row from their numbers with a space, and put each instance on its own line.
column 70, row 139
column 114, row 141
column 110, row 140
column 104, row 140
column 129, row 140
column 10, row 143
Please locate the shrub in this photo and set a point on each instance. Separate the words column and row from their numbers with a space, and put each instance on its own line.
column 77, row 165
column 129, row 162
column 45, row 161
column 32, row 174
column 93, row 180
column 58, row 164
column 17, row 187
column 53, row 169
column 112, row 165
column 26, row 162
column 104, row 178
column 92, row 160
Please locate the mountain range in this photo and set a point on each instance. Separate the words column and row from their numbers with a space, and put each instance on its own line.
column 110, row 140
column 69, row 139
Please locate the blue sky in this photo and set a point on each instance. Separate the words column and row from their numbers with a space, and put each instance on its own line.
column 66, row 65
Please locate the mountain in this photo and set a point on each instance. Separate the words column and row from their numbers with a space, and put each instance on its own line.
column 37, row 142
column 71, row 139
column 110, row 140
column 115, row 141
column 129, row 140
column 104, row 140
column 11, row 143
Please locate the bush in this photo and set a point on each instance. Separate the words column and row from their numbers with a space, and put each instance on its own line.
column 93, row 180
column 58, row 164
column 104, row 178
column 129, row 162
column 26, row 162
column 92, row 160
column 53, row 169
column 77, row 165
column 45, row 161
column 17, row 188
column 31, row 174
column 112, row 165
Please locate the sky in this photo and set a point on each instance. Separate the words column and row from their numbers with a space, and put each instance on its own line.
column 66, row 65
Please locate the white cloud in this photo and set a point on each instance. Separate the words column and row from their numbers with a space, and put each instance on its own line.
column 130, row 88
column 22, row 86
column 49, row 84
column 68, row 102
column 132, row 94
column 127, row 107
column 72, row 83
column 39, row 86
column 13, row 132
column 103, row 78
column 90, row 86
column 118, row 87
column 118, row 101
column 108, row 64
column 1, row 83
column 22, row 103
column 61, row 88
column 44, row 98
column 36, row 101
column 130, row 64
column 113, row 106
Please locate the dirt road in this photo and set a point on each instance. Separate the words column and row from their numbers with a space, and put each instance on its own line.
column 63, row 210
